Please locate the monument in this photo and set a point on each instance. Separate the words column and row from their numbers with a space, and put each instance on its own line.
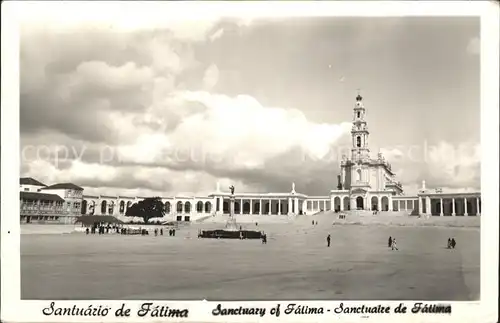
column 232, row 230
column 231, row 222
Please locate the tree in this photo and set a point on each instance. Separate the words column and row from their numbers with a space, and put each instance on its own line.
column 150, row 207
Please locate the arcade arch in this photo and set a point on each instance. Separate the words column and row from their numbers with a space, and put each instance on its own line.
column 208, row 207
column 385, row 203
column 374, row 203
column 359, row 203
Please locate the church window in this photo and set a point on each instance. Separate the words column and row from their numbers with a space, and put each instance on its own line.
column 359, row 114
column 359, row 175
column 358, row 141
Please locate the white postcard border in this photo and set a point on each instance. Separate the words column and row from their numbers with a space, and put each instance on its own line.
column 15, row 310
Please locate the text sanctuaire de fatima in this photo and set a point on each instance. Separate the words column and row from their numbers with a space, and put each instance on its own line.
column 298, row 309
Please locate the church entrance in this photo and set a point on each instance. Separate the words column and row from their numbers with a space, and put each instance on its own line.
column 359, row 203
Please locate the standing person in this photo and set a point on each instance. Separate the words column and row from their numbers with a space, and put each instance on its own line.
column 161, row 231
column 390, row 242
column 156, row 232
column 453, row 243
column 328, row 238
column 394, row 244
column 449, row 243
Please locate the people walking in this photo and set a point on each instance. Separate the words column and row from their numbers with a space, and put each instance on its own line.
column 449, row 244
column 394, row 246
column 453, row 243
column 328, row 239
column 390, row 242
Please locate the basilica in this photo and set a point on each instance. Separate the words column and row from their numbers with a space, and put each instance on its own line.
column 363, row 184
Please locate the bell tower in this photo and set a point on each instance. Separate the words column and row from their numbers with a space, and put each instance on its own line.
column 359, row 132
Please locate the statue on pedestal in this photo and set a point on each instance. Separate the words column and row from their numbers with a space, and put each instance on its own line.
column 231, row 205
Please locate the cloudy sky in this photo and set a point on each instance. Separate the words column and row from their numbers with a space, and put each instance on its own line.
column 172, row 108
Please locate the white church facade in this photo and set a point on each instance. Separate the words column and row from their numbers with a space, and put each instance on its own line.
column 362, row 184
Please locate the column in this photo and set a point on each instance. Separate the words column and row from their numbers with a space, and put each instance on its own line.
column 465, row 207
column 379, row 205
column 441, row 213
column 428, row 205
column 341, row 204
column 296, row 206
column 279, row 207
column 269, row 213
column 391, row 204
column 289, row 208
column 453, row 207
column 420, row 205
column 477, row 206
column 251, row 206
column 241, row 206
column 260, row 206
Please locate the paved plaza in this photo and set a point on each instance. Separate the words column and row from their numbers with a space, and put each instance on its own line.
column 295, row 264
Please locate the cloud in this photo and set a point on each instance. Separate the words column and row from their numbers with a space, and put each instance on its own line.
column 236, row 137
column 474, row 46
column 216, row 34
column 442, row 164
column 211, row 77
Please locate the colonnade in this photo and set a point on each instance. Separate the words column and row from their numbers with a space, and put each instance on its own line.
column 317, row 205
column 405, row 204
column 119, row 207
column 450, row 205
column 259, row 206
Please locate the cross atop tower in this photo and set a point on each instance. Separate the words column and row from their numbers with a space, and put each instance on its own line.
column 359, row 97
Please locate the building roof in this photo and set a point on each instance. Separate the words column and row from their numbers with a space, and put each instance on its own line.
column 64, row 186
column 40, row 196
column 30, row 181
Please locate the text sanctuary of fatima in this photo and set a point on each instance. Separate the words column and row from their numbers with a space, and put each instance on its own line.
column 363, row 184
